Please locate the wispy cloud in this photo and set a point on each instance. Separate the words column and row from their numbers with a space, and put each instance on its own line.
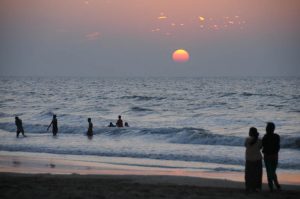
column 92, row 36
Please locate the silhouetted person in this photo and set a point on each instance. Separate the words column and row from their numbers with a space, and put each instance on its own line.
column 111, row 125
column 253, row 167
column 54, row 125
column 271, row 147
column 119, row 122
column 90, row 129
column 19, row 125
column 126, row 124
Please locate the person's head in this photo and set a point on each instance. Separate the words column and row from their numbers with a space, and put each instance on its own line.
column 119, row 116
column 253, row 132
column 270, row 128
column 89, row 119
column 16, row 117
column 54, row 116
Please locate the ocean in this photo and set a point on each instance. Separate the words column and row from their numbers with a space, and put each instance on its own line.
column 174, row 122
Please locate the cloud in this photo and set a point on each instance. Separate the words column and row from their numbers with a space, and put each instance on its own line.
column 92, row 36
column 162, row 17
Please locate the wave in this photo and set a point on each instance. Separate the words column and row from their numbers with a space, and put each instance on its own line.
column 247, row 94
column 41, row 128
column 142, row 98
column 47, row 113
column 208, row 158
column 139, row 109
column 6, row 115
column 185, row 135
column 227, row 94
column 132, row 154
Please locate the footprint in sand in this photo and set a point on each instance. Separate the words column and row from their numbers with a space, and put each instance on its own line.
column 51, row 165
column 16, row 163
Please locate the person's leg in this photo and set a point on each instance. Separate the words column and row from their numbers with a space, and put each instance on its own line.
column 259, row 175
column 252, row 175
column 275, row 175
column 276, row 182
column 268, row 166
column 247, row 176
column 22, row 131
column 54, row 131
column 18, row 132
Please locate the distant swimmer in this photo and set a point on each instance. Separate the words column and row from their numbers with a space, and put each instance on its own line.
column 90, row 129
column 111, row 125
column 19, row 126
column 54, row 125
column 119, row 122
column 126, row 124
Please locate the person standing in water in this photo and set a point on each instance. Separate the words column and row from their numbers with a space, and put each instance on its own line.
column 271, row 147
column 54, row 125
column 119, row 122
column 111, row 125
column 90, row 128
column 19, row 125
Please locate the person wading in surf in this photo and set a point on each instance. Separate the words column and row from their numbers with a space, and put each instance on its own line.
column 19, row 125
column 119, row 122
column 54, row 125
column 90, row 128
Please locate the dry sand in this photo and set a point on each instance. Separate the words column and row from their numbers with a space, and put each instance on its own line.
column 131, row 187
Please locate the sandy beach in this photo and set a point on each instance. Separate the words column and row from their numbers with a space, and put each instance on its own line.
column 30, row 175
column 124, row 186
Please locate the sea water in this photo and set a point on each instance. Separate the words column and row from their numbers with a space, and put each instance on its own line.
column 179, row 121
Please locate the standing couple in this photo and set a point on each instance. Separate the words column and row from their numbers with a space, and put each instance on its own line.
column 270, row 145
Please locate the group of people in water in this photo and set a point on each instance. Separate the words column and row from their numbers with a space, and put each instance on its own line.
column 53, row 123
column 269, row 145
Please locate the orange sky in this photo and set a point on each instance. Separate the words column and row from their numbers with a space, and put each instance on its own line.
column 139, row 24
column 138, row 15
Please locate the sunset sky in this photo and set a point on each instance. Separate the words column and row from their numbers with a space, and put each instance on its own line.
column 138, row 37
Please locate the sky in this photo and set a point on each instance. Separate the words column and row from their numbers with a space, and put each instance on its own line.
column 138, row 37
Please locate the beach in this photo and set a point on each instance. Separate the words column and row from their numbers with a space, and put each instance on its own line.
column 124, row 186
column 29, row 175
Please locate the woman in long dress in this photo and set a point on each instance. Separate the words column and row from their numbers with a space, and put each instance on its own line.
column 253, row 167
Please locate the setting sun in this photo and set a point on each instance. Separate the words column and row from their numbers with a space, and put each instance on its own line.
column 180, row 55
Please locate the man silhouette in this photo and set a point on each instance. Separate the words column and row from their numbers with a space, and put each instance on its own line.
column 271, row 147
column 19, row 125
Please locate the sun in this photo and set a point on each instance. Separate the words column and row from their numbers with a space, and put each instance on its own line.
column 180, row 55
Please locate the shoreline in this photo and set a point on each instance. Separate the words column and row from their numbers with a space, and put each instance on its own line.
column 41, row 163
